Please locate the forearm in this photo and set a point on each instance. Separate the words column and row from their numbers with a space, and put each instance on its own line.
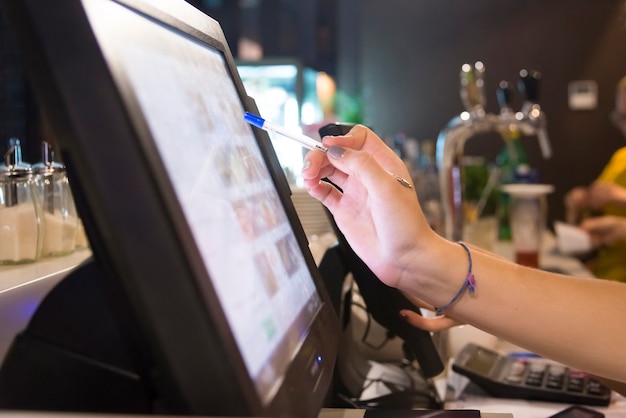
column 571, row 320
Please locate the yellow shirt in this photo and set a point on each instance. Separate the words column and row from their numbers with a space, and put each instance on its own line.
column 611, row 261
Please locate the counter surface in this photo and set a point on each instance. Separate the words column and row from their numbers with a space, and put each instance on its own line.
column 23, row 287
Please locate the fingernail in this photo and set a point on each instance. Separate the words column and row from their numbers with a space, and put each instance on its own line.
column 307, row 164
column 403, row 315
column 336, row 152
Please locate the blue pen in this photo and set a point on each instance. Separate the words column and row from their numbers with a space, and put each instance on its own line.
column 304, row 140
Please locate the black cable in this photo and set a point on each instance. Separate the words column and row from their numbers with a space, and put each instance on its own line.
column 367, row 330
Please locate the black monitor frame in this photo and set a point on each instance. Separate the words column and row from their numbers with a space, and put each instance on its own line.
column 185, row 353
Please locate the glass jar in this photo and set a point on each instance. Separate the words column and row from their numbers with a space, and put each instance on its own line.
column 20, row 218
column 59, row 219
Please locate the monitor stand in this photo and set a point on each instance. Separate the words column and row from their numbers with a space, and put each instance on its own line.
column 73, row 356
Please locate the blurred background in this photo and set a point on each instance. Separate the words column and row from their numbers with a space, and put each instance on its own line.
column 394, row 65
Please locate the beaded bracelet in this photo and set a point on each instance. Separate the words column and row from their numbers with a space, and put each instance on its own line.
column 469, row 283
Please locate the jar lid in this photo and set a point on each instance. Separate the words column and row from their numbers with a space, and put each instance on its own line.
column 47, row 165
column 13, row 165
column 49, row 168
column 16, row 171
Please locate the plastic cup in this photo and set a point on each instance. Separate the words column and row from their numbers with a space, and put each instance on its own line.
column 528, row 213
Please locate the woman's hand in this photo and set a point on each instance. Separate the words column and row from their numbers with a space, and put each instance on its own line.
column 379, row 216
column 431, row 324
column 576, row 200
column 601, row 193
column 605, row 230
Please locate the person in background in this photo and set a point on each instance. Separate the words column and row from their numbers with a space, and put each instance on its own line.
column 606, row 196
column 361, row 182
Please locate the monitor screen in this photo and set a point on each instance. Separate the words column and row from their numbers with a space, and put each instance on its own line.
column 226, row 193
column 183, row 204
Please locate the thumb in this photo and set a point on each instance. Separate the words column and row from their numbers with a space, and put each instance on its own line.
column 363, row 167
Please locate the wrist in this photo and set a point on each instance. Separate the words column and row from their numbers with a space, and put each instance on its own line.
column 468, row 285
column 436, row 271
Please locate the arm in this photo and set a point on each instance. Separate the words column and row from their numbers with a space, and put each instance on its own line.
column 576, row 321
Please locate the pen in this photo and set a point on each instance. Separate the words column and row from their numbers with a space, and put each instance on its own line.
column 304, row 140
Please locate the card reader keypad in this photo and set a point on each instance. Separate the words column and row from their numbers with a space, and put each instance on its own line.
column 529, row 378
column 552, row 376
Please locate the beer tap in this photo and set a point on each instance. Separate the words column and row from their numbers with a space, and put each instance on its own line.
column 473, row 121
column 532, row 118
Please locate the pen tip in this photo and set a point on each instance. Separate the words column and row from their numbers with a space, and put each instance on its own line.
column 253, row 119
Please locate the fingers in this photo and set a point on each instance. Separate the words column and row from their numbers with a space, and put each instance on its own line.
column 324, row 192
column 433, row 324
column 601, row 193
column 418, row 302
column 360, row 158
column 594, row 227
column 605, row 229
column 362, row 138
column 317, row 167
column 602, row 224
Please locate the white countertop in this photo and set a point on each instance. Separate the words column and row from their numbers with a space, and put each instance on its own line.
column 530, row 409
column 23, row 286
column 12, row 276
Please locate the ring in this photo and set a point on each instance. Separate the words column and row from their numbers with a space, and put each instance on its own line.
column 403, row 182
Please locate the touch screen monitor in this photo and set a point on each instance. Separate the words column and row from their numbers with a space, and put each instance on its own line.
column 196, row 244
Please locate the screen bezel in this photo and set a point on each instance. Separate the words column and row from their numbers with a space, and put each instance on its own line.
column 100, row 146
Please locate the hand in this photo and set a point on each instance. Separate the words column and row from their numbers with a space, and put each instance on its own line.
column 576, row 200
column 431, row 324
column 380, row 218
column 600, row 193
column 605, row 230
